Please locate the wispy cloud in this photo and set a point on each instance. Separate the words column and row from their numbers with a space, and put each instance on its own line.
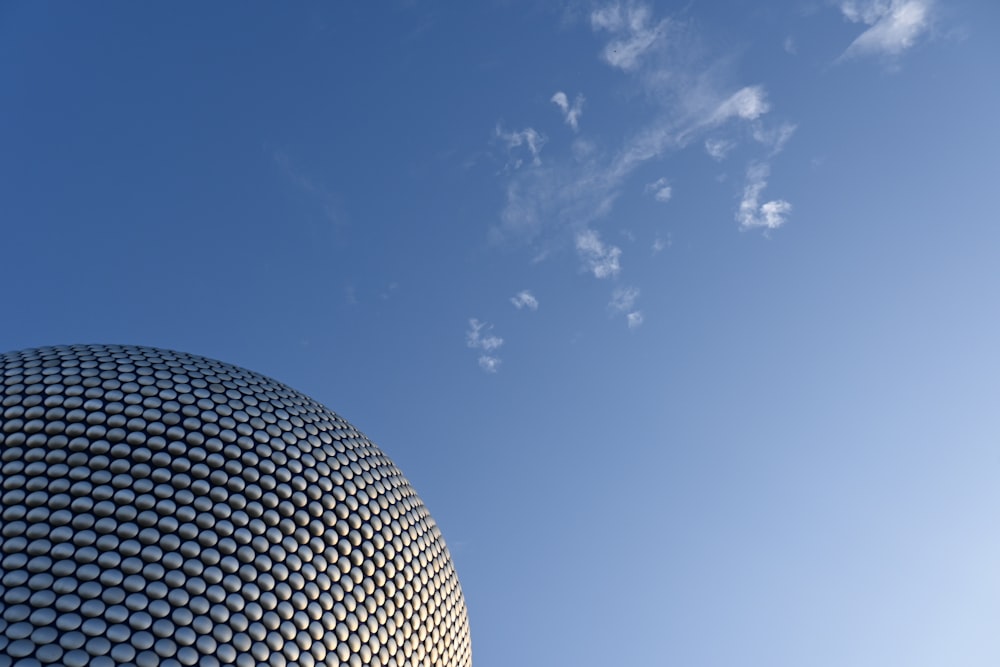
column 774, row 138
column 754, row 215
column 688, row 96
column 328, row 200
column 478, row 337
column 895, row 25
column 659, row 244
column 718, row 149
column 543, row 202
column 489, row 364
column 524, row 299
column 749, row 103
column 571, row 114
column 661, row 190
column 388, row 291
column 600, row 259
column 633, row 31
column 623, row 299
column 527, row 138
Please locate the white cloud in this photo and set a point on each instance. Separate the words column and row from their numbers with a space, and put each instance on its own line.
column 571, row 114
column 748, row 103
column 688, row 94
column 528, row 138
column 489, row 364
column 752, row 214
column 565, row 195
column 524, row 299
column 774, row 138
column 478, row 336
column 633, row 32
column 895, row 25
column 582, row 149
column 599, row 259
column 659, row 244
column 623, row 299
column 718, row 149
column 661, row 190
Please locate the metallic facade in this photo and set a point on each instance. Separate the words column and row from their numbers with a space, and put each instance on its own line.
column 160, row 508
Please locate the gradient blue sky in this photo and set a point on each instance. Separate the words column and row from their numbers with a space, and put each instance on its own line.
column 681, row 317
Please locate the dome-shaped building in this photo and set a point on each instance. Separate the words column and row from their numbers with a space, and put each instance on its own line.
column 159, row 508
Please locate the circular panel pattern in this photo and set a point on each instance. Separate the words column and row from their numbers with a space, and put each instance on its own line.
column 158, row 508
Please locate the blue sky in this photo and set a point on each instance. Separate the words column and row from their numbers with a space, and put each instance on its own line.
column 681, row 317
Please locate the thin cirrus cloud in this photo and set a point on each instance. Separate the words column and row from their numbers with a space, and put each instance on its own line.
column 754, row 215
column 478, row 337
column 528, row 138
column 774, row 138
column 598, row 258
column 662, row 192
column 748, row 103
column 633, row 32
column 623, row 301
column 895, row 25
column 687, row 99
column 688, row 96
column 623, row 298
column 718, row 149
column 571, row 113
column 327, row 200
column 524, row 299
column 489, row 363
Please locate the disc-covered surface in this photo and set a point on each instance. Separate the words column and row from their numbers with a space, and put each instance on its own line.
column 160, row 508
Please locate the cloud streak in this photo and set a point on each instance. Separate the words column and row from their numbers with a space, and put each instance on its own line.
column 749, row 103
column 328, row 200
column 478, row 337
column 754, row 215
column 774, row 138
column 571, row 113
column 662, row 192
column 527, row 138
column 600, row 259
column 489, row 364
column 718, row 149
column 623, row 301
column 686, row 99
column 524, row 299
column 633, row 33
column 895, row 25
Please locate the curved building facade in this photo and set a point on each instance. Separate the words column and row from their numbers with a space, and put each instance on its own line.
column 159, row 508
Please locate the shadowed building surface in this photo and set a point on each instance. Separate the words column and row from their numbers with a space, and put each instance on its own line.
column 160, row 508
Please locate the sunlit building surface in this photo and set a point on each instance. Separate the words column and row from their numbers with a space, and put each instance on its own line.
column 160, row 508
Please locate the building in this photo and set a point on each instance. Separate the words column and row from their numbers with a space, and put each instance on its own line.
column 159, row 508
